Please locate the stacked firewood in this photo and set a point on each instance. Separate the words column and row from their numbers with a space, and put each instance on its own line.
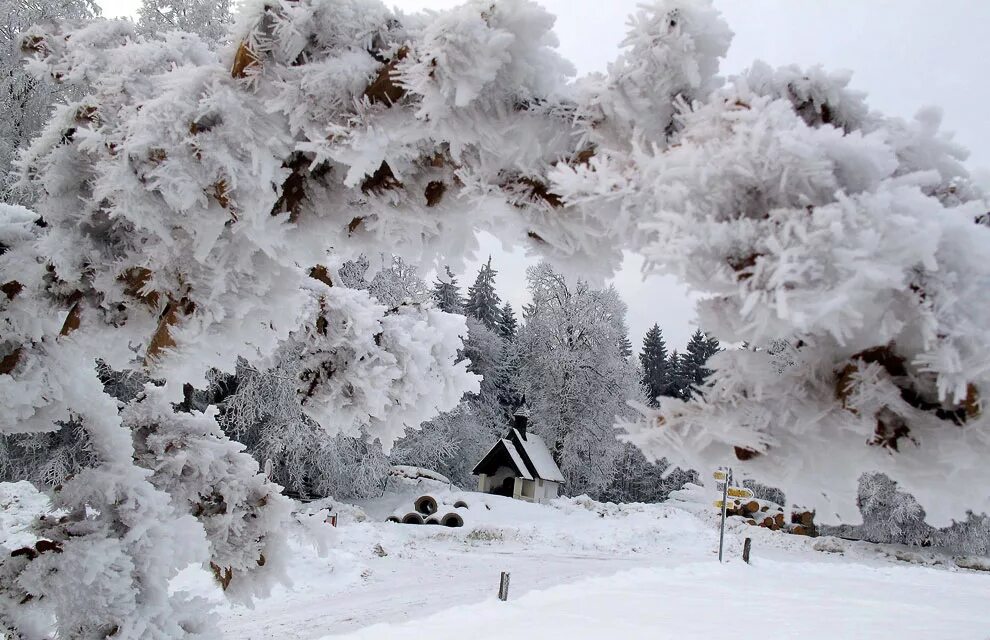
column 760, row 513
column 763, row 513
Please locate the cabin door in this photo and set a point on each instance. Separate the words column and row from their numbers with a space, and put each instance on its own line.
column 505, row 489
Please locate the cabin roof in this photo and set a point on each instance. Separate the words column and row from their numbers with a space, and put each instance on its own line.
column 529, row 456
column 503, row 452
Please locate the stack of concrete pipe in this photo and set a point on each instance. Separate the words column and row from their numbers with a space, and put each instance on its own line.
column 426, row 510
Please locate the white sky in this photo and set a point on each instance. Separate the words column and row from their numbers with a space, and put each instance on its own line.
column 905, row 53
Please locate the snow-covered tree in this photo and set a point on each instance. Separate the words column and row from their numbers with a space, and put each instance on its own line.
column 890, row 515
column 451, row 443
column 507, row 323
column 574, row 376
column 265, row 414
column 655, row 366
column 846, row 233
column 692, row 372
column 27, row 99
column 454, row 441
column 393, row 283
column 141, row 263
column 640, row 480
column 447, row 295
column 208, row 18
column 482, row 301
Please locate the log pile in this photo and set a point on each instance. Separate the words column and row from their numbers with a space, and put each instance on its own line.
column 769, row 515
column 760, row 513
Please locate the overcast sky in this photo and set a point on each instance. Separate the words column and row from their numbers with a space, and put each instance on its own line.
column 905, row 53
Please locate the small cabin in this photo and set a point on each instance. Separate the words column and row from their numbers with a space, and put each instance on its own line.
column 520, row 465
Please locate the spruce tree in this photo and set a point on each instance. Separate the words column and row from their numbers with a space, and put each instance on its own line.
column 507, row 324
column 625, row 346
column 677, row 381
column 655, row 365
column 692, row 364
column 482, row 301
column 447, row 295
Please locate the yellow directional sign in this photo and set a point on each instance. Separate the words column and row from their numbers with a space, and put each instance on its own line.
column 740, row 492
column 719, row 475
column 733, row 504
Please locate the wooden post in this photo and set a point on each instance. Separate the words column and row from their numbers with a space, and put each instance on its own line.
column 332, row 519
column 746, row 546
column 503, row 587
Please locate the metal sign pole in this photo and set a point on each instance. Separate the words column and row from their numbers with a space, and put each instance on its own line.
column 725, row 501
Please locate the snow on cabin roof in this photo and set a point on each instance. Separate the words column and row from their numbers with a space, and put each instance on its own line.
column 538, row 454
column 516, row 458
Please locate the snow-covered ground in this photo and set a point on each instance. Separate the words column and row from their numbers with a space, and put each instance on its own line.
column 580, row 569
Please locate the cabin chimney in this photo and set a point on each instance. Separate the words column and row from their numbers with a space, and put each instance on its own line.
column 520, row 420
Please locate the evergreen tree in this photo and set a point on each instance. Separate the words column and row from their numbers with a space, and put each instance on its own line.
column 625, row 346
column 656, row 370
column 692, row 364
column 208, row 18
column 507, row 324
column 447, row 295
column 678, row 380
column 482, row 301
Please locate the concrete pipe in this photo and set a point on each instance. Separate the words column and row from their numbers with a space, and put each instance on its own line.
column 393, row 519
column 412, row 518
column 434, row 519
column 460, row 504
column 427, row 505
column 452, row 520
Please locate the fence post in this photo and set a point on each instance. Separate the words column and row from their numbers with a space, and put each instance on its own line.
column 503, row 587
column 746, row 546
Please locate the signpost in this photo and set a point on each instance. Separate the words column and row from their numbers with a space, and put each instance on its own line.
column 740, row 492
column 726, row 478
column 735, row 496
